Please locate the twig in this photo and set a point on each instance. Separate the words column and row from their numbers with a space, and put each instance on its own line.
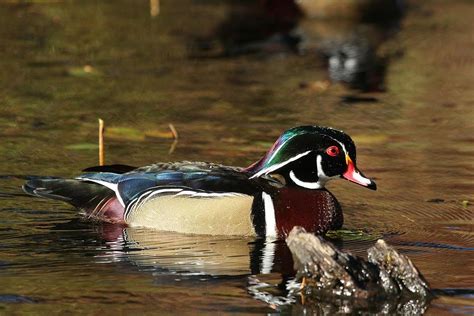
column 101, row 143
column 175, row 136
column 173, row 130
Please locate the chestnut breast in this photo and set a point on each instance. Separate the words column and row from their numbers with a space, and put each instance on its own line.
column 316, row 210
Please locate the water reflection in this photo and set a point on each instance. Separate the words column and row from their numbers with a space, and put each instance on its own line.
column 265, row 264
column 288, row 302
column 346, row 37
column 194, row 254
column 203, row 254
column 177, row 253
column 173, row 257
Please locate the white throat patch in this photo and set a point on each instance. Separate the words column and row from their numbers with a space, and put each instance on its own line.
column 322, row 177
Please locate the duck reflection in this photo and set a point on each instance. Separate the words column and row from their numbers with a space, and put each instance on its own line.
column 265, row 265
column 346, row 35
column 206, row 254
column 195, row 254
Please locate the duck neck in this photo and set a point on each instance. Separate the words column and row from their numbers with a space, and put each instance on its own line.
column 315, row 210
column 255, row 167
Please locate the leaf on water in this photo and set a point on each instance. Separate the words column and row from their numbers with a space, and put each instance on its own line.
column 316, row 86
column 132, row 134
column 159, row 134
column 347, row 234
column 82, row 146
column 369, row 139
column 263, row 144
column 124, row 133
column 83, row 71
column 232, row 140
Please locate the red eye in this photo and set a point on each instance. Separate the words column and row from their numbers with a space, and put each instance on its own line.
column 332, row 151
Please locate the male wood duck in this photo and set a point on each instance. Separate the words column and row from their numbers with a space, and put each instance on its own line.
column 283, row 189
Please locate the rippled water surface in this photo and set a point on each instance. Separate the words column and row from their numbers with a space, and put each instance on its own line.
column 63, row 64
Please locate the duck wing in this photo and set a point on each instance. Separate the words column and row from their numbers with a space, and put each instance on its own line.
column 116, row 168
column 106, row 195
column 94, row 200
column 196, row 176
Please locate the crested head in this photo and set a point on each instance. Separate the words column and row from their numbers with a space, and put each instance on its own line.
column 308, row 157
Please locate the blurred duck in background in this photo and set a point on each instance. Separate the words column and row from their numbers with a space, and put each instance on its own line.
column 346, row 34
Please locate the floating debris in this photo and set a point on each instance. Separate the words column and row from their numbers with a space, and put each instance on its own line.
column 317, row 86
column 82, row 146
column 85, row 71
column 330, row 275
column 174, row 132
column 121, row 133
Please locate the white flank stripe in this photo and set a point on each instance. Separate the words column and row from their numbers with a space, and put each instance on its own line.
column 281, row 164
column 205, row 194
column 142, row 199
column 270, row 220
column 179, row 192
column 268, row 255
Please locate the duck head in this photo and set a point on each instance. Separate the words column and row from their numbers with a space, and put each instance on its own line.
column 308, row 157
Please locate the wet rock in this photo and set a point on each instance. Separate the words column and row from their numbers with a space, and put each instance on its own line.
column 330, row 274
column 397, row 271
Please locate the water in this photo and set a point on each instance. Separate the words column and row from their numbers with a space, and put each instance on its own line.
column 64, row 64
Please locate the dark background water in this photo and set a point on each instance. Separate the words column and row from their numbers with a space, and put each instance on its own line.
column 63, row 64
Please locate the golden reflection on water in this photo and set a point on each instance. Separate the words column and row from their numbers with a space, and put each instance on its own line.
column 417, row 141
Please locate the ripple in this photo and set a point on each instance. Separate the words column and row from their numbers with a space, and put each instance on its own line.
column 436, row 245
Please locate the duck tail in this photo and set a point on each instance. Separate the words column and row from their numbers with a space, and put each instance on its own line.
column 95, row 200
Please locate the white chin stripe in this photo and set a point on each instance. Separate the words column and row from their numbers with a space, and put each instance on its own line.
column 304, row 184
column 322, row 177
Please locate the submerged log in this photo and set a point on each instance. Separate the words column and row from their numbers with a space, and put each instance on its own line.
column 329, row 273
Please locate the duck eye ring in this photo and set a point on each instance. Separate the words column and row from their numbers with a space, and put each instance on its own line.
column 332, row 151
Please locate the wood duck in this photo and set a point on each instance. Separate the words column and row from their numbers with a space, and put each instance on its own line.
column 283, row 189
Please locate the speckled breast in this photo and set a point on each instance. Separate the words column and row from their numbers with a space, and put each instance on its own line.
column 316, row 210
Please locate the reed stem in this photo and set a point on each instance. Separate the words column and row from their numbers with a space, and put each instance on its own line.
column 101, row 143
